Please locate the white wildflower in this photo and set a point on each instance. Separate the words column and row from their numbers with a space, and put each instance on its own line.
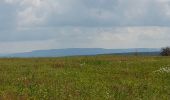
column 82, row 64
column 164, row 69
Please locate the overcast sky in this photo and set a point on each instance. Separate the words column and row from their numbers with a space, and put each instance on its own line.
column 27, row 25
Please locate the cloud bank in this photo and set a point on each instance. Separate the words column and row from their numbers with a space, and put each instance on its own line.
column 83, row 23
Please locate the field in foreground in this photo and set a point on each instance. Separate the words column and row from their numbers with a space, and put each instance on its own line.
column 85, row 78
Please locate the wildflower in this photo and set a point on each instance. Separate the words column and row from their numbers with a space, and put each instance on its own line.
column 164, row 69
column 82, row 64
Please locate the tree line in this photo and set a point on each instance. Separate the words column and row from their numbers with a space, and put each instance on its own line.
column 165, row 51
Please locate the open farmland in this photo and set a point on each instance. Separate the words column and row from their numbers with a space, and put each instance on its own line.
column 104, row 77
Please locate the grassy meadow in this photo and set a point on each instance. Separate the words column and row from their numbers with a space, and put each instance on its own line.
column 103, row 77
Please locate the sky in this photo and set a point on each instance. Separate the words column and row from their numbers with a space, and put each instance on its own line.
column 27, row 25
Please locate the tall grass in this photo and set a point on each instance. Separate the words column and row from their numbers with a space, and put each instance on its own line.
column 85, row 78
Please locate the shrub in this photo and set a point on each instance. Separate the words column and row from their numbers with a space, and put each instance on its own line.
column 165, row 51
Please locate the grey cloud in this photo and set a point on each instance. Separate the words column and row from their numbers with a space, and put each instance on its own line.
column 7, row 16
column 113, row 13
column 85, row 23
column 60, row 33
column 87, row 13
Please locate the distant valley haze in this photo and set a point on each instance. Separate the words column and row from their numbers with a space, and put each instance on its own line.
column 85, row 52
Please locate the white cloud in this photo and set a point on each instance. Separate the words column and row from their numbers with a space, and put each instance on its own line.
column 32, row 13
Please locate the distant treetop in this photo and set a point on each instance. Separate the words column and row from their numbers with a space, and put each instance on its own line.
column 165, row 51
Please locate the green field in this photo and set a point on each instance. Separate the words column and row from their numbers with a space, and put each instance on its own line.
column 85, row 78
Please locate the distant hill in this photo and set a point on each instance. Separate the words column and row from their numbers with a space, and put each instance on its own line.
column 84, row 51
column 140, row 53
